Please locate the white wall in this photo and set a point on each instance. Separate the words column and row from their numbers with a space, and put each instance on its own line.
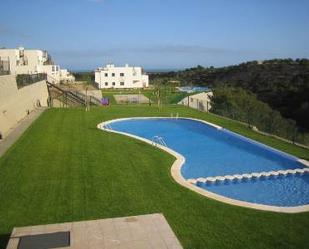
column 110, row 77
column 53, row 73
column 66, row 77
column 199, row 101
column 34, row 60
column 16, row 103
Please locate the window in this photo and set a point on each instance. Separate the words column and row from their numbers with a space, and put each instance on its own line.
column 106, row 83
column 106, row 74
column 113, row 74
column 122, row 83
column 121, row 74
column 113, row 84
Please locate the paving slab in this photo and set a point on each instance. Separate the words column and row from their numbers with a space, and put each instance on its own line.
column 149, row 231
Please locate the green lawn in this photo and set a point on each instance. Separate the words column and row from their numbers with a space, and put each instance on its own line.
column 110, row 95
column 64, row 169
column 169, row 96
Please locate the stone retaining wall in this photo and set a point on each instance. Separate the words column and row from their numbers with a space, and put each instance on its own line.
column 16, row 104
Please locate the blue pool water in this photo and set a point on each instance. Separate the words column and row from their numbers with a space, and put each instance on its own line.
column 292, row 190
column 192, row 89
column 212, row 152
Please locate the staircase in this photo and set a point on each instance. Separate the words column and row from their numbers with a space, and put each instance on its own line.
column 70, row 98
column 91, row 99
column 250, row 176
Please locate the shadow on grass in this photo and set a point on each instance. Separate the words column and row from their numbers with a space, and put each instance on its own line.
column 4, row 239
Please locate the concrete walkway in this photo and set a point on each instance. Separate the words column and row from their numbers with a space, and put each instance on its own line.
column 136, row 232
column 18, row 130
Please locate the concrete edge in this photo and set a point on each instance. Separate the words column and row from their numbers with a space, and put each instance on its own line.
column 180, row 160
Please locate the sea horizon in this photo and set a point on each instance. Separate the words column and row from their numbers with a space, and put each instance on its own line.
column 147, row 70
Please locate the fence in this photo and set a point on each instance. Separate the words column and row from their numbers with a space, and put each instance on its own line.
column 28, row 79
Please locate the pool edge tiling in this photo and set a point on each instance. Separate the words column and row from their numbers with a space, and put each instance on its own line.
column 180, row 160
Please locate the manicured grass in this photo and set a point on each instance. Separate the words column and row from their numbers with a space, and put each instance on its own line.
column 64, row 169
column 168, row 96
column 109, row 95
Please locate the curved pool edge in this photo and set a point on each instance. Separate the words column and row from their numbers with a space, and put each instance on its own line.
column 180, row 160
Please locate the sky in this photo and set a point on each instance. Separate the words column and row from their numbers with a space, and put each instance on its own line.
column 157, row 34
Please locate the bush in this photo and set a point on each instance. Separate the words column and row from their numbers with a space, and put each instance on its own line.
column 244, row 106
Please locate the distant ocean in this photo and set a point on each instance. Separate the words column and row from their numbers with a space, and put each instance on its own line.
column 148, row 70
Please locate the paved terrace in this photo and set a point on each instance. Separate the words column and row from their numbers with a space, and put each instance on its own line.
column 137, row 232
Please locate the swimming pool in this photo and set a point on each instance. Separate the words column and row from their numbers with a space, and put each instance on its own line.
column 212, row 152
column 192, row 89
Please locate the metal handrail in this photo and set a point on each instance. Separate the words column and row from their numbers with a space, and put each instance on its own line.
column 92, row 99
column 176, row 115
column 107, row 127
column 69, row 93
column 158, row 140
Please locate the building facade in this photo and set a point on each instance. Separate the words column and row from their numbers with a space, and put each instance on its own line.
column 121, row 77
column 30, row 61
column 199, row 101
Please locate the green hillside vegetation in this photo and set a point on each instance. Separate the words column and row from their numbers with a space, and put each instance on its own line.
column 84, row 76
column 282, row 84
column 244, row 106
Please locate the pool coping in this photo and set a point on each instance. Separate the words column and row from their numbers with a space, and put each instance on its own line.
column 180, row 160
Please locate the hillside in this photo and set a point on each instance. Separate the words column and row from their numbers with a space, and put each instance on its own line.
column 281, row 83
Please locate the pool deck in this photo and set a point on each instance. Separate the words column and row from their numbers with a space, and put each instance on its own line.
column 149, row 231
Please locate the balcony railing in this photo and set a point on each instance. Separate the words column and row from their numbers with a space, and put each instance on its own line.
column 28, row 79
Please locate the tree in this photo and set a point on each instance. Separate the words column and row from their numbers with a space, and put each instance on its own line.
column 244, row 106
column 158, row 90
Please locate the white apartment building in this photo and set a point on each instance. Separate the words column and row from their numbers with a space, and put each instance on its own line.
column 30, row 61
column 121, row 77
